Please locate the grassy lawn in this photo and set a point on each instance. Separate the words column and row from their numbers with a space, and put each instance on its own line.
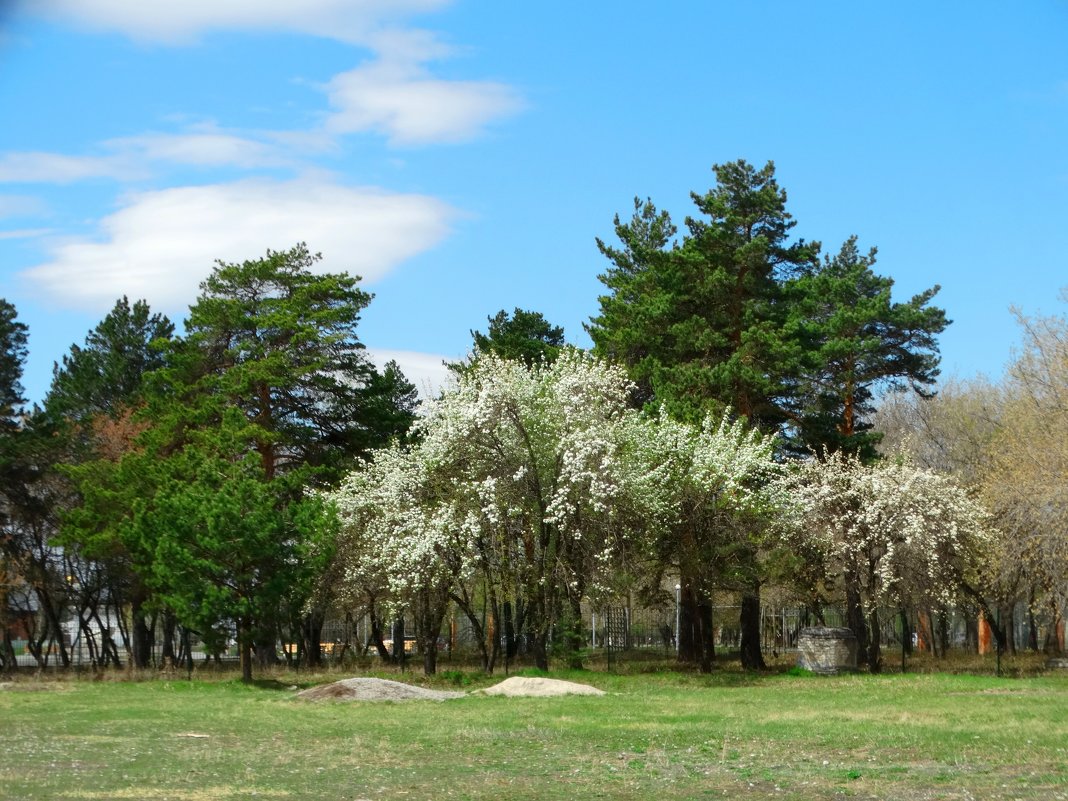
column 659, row 735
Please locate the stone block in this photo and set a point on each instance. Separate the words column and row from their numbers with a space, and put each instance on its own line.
column 827, row 650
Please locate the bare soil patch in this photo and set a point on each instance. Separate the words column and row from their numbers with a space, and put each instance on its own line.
column 539, row 687
column 362, row 689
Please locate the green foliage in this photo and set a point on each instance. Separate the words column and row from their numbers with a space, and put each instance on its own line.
column 13, row 353
column 105, row 376
column 270, row 392
column 277, row 341
column 526, row 336
column 738, row 315
column 225, row 543
column 855, row 340
column 523, row 336
column 701, row 324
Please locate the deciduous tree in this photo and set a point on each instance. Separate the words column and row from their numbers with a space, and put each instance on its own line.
column 888, row 533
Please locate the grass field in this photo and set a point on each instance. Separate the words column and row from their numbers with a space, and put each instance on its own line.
column 657, row 736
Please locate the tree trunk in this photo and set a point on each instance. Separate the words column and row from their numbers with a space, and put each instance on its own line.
column 688, row 635
column 311, row 633
column 706, row 636
column 906, row 633
column 855, row 621
column 167, row 652
column 509, row 630
column 8, row 660
column 942, row 632
column 540, row 650
column 244, row 644
column 1008, row 625
column 574, row 638
column 54, row 626
column 398, row 641
column 875, row 656
column 140, row 635
column 464, row 602
column 752, row 658
column 377, row 635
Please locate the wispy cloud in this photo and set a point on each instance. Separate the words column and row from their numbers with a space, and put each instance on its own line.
column 59, row 168
column 350, row 21
column 161, row 244
column 15, row 206
column 25, row 233
column 139, row 157
column 207, row 148
column 395, row 94
column 403, row 101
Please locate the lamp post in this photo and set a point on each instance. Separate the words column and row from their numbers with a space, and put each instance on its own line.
column 678, row 609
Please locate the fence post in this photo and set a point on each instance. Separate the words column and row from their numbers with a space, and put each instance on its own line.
column 678, row 614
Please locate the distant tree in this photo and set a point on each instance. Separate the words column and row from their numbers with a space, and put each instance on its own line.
column 511, row 478
column 32, row 575
column 738, row 315
column 1027, row 464
column 391, row 404
column 13, row 352
column 702, row 496
column 94, row 396
column 106, row 375
column 524, row 336
column 539, row 487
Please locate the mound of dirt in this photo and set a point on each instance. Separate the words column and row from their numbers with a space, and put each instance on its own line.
column 373, row 690
column 524, row 686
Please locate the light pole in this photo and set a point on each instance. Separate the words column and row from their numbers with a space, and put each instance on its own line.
column 678, row 608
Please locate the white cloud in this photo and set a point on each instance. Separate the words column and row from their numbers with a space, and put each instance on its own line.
column 181, row 22
column 426, row 371
column 25, row 233
column 161, row 244
column 21, row 206
column 395, row 95
column 402, row 100
column 37, row 167
column 209, row 148
column 133, row 157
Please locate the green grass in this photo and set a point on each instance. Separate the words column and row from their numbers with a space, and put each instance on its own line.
column 661, row 735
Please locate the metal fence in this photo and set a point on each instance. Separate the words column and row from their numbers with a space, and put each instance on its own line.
column 611, row 628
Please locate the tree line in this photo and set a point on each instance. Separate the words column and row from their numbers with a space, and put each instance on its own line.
column 259, row 473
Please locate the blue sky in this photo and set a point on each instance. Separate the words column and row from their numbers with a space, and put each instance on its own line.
column 462, row 156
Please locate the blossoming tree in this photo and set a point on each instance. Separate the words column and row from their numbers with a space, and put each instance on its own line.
column 887, row 534
column 532, row 488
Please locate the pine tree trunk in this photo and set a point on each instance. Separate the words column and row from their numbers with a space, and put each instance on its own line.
column 140, row 639
column 855, row 621
column 244, row 644
column 688, row 634
column 706, row 638
column 752, row 658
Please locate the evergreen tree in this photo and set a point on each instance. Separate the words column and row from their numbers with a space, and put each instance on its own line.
column 105, row 375
column 13, row 351
column 855, row 339
column 524, row 336
column 702, row 325
column 269, row 392
column 738, row 316
column 92, row 401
